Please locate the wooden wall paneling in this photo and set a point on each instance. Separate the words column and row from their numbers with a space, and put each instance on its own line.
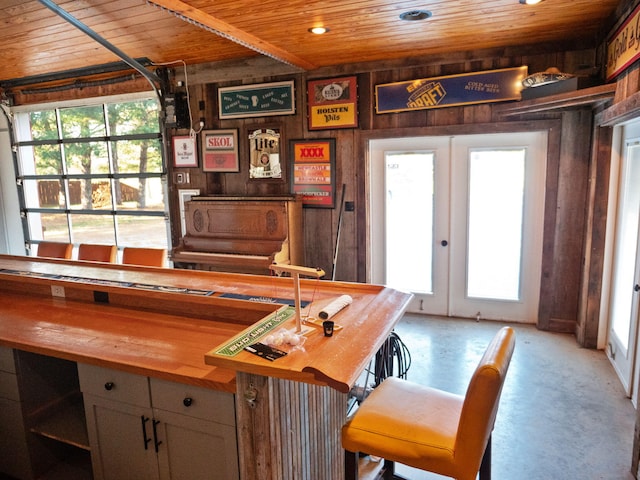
column 318, row 238
column 347, row 174
column 30, row 95
column 572, row 200
column 366, row 108
column 477, row 114
column 548, row 274
column 594, row 238
column 361, row 151
column 630, row 83
column 447, row 116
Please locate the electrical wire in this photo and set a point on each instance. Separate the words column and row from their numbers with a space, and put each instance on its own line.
column 192, row 131
column 393, row 348
column 393, row 358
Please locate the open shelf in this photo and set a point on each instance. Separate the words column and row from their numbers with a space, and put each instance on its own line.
column 66, row 424
column 592, row 97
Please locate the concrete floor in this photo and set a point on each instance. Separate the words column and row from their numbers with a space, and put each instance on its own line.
column 563, row 413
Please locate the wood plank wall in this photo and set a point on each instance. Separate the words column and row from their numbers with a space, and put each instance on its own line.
column 568, row 176
column 566, row 302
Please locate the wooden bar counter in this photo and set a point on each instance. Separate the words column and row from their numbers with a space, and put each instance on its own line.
column 166, row 325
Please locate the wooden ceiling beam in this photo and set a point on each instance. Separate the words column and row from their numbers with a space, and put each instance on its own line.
column 202, row 19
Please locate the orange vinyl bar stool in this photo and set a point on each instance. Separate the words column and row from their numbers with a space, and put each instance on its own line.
column 55, row 250
column 97, row 253
column 150, row 257
column 430, row 429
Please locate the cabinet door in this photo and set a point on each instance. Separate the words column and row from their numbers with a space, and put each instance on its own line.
column 195, row 449
column 122, row 440
column 14, row 457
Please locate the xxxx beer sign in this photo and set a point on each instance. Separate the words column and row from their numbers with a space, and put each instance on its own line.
column 450, row 91
column 313, row 171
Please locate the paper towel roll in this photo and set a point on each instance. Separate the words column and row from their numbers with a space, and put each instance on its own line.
column 335, row 306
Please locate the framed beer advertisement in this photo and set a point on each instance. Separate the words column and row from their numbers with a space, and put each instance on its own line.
column 313, row 171
column 259, row 100
column 185, row 152
column 220, row 151
column 264, row 153
column 333, row 103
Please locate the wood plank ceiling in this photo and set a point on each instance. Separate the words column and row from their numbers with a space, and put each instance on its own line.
column 36, row 41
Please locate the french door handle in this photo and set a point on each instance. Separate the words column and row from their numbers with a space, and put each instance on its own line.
column 636, row 287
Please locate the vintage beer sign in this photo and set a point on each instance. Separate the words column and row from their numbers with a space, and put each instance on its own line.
column 450, row 91
column 220, row 151
column 312, row 172
column 623, row 48
column 259, row 100
column 332, row 103
column 185, row 153
column 264, row 152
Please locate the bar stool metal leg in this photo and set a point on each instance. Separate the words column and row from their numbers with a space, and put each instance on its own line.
column 485, row 465
column 350, row 465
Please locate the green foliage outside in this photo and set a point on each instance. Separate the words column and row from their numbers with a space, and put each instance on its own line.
column 92, row 154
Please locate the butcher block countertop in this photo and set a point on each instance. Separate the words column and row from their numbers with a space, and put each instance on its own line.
column 169, row 323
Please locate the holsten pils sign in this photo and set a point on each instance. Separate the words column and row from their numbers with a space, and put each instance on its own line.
column 450, row 91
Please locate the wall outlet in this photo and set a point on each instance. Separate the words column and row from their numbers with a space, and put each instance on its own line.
column 57, row 291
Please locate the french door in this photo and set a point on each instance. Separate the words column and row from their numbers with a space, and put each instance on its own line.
column 458, row 222
column 624, row 279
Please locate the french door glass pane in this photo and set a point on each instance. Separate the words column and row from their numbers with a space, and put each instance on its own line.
column 496, row 201
column 409, row 185
column 627, row 245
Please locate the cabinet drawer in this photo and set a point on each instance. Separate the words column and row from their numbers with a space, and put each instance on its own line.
column 7, row 364
column 193, row 401
column 9, row 386
column 114, row 385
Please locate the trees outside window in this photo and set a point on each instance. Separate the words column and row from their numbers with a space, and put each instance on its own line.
column 93, row 174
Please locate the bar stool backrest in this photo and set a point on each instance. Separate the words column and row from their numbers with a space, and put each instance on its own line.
column 481, row 401
column 150, row 257
column 97, row 253
column 55, row 250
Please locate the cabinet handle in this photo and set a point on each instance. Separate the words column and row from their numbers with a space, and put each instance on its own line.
column 109, row 386
column 187, row 402
column 155, row 434
column 144, row 431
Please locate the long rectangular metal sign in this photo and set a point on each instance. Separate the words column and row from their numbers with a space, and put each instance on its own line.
column 449, row 91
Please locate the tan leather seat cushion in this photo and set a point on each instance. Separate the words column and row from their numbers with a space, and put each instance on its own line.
column 407, row 422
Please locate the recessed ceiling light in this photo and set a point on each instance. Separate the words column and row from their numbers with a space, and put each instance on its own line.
column 319, row 30
column 530, row 2
column 413, row 15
